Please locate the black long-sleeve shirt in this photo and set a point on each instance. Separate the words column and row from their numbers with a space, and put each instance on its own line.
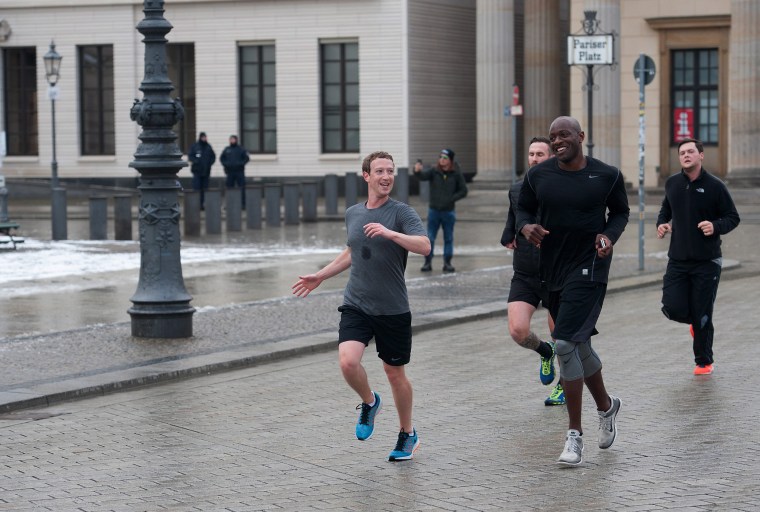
column 686, row 204
column 574, row 206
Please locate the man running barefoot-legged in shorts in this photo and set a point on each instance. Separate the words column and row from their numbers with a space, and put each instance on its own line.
column 574, row 208
column 526, row 291
column 381, row 232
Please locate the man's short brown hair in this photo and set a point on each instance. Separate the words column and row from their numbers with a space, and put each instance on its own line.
column 374, row 156
column 696, row 142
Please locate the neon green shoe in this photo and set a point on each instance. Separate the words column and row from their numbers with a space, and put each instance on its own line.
column 546, row 372
column 556, row 397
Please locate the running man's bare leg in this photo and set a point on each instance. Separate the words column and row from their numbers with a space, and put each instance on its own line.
column 402, row 394
column 350, row 358
column 519, row 314
column 574, row 401
column 595, row 385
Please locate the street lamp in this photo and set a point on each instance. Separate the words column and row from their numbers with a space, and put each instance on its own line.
column 52, row 73
column 161, row 303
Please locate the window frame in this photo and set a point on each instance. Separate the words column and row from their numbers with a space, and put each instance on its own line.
column 695, row 86
column 22, row 133
column 105, row 140
column 343, row 109
column 184, row 89
column 259, row 111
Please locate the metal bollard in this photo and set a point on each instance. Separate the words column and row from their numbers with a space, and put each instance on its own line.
column 213, row 212
column 122, row 217
column 234, row 202
column 351, row 189
column 425, row 191
column 309, row 198
column 401, row 185
column 253, row 207
column 272, row 198
column 331, row 194
column 192, row 215
column 98, row 218
column 3, row 198
column 291, row 191
column 58, row 214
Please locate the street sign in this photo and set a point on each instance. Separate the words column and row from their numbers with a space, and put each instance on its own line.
column 590, row 50
column 649, row 70
column 53, row 92
column 516, row 110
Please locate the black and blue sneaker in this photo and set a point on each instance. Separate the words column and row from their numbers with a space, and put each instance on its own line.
column 405, row 446
column 365, row 426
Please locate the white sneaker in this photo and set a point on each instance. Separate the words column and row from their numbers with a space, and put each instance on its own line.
column 607, row 426
column 572, row 455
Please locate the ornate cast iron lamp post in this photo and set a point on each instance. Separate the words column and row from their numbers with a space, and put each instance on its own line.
column 161, row 303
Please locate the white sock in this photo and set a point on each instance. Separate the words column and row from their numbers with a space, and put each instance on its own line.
column 374, row 399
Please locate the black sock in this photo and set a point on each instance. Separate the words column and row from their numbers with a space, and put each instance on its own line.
column 544, row 350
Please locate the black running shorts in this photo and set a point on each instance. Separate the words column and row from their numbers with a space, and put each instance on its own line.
column 576, row 309
column 392, row 333
column 527, row 288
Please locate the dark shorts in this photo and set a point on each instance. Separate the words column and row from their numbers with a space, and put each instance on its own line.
column 527, row 288
column 392, row 333
column 575, row 310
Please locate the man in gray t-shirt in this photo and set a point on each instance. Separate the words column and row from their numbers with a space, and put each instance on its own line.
column 381, row 232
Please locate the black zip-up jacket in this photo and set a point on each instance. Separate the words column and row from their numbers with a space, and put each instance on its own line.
column 234, row 157
column 686, row 204
column 526, row 256
column 202, row 156
column 574, row 206
column 446, row 188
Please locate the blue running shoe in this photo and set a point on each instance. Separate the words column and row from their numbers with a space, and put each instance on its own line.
column 405, row 446
column 546, row 372
column 556, row 397
column 366, row 424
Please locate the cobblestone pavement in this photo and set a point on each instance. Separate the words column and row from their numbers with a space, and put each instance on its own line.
column 280, row 436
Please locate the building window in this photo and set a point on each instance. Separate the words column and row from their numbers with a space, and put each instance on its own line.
column 258, row 98
column 96, row 100
column 695, row 95
column 181, row 60
column 20, row 101
column 340, row 97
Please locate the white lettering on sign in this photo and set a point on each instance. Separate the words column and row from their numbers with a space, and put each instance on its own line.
column 590, row 50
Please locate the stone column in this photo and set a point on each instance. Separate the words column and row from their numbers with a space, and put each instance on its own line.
column 495, row 76
column 744, row 94
column 546, row 70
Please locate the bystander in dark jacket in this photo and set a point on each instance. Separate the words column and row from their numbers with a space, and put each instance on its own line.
column 202, row 157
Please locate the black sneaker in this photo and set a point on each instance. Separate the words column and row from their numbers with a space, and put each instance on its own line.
column 427, row 267
column 447, row 267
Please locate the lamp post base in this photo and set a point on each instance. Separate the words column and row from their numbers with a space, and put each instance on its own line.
column 159, row 322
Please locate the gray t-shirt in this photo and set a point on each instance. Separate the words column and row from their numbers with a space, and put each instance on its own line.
column 376, row 284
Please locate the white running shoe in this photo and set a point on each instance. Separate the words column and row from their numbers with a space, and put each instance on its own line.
column 607, row 426
column 572, row 455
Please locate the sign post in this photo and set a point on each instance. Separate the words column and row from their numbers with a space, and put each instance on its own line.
column 643, row 73
column 514, row 111
column 590, row 49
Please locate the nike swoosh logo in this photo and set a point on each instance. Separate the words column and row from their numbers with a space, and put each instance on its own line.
column 593, row 176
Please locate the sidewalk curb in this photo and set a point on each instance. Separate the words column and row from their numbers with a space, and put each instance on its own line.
column 48, row 394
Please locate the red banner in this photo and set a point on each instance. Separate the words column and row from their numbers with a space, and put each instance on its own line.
column 683, row 124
